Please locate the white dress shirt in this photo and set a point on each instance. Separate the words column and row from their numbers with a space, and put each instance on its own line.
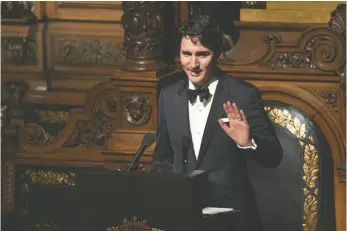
column 198, row 114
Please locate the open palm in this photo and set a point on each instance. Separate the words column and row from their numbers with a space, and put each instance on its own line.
column 238, row 128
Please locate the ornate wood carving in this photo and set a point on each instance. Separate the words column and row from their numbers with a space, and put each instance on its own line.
column 36, row 135
column 18, row 50
column 93, row 126
column 17, row 9
column 320, row 48
column 326, row 51
column 91, row 133
column 8, row 182
column 93, row 51
column 137, row 109
column 342, row 173
column 143, row 25
column 291, row 60
column 337, row 23
column 11, row 111
column 330, row 97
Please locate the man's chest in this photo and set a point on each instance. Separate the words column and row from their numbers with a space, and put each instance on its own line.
column 198, row 115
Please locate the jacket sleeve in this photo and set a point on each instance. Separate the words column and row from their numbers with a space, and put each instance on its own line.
column 163, row 156
column 269, row 151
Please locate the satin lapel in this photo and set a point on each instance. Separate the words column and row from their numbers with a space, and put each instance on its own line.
column 182, row 113
column 221, row 96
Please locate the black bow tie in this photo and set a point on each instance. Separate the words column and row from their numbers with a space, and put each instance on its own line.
column 203, row 93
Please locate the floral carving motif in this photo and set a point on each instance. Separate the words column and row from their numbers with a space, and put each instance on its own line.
column 93, row 51
column 329, row 97
column 337, row 22
column 51, row 177
column 338, row 19
column 143, row 29
column 91, row 133
column 292, row 60
column 310, row 179
column 137, row 110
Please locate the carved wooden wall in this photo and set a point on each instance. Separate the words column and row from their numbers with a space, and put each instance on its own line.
column 69, row 96
column 79, row 80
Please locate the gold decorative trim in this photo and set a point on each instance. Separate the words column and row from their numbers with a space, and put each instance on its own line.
column 53, row 116
column 8, row 189
column 286, row 120
column 133, row 225
column 50, row 177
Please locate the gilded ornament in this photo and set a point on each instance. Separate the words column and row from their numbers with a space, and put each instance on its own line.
column 53, row 116
column 133, row 225
column 310, row 178
column 50, row 177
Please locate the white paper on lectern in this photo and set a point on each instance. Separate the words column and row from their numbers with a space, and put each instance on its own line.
column 215, row 210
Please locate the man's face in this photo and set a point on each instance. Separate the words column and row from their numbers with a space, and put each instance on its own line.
column 196, row 61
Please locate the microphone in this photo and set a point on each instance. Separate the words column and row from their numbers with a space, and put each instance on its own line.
column 147, row 141
column 186, row 142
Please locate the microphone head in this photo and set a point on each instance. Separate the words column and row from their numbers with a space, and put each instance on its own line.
column 148, row 139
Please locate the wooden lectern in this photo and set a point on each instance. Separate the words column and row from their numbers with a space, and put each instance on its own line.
column 119, row 201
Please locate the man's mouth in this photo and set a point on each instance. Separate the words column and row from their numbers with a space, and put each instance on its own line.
column 195, row 72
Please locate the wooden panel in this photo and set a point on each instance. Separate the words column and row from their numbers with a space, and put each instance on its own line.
column 21, row 48
column 84, row 46
column 279, row 15
column 103, row 11
column 301, row 12
column 302, row 5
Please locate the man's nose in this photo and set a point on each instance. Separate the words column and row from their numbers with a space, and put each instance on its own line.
column 194, row 63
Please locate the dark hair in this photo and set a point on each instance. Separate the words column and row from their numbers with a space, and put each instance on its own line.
column 204, row 30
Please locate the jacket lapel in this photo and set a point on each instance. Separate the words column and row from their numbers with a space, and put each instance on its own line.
column 221, row 96
column 181, row 106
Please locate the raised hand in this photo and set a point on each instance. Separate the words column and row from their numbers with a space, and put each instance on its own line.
column 238, row 128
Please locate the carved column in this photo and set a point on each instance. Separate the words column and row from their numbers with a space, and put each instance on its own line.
column 11, row 117
column 143, row 25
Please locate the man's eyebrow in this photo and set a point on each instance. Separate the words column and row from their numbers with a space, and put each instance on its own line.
column 183, row 51
column 203, row 52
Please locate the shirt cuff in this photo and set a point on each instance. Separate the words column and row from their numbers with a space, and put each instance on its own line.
column 253, row 146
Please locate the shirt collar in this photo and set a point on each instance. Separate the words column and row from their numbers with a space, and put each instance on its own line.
column 212, row 85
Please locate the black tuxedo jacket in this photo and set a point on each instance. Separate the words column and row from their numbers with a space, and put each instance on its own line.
column 219, row 154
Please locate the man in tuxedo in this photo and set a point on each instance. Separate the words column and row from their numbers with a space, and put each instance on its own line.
column 225, row 120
